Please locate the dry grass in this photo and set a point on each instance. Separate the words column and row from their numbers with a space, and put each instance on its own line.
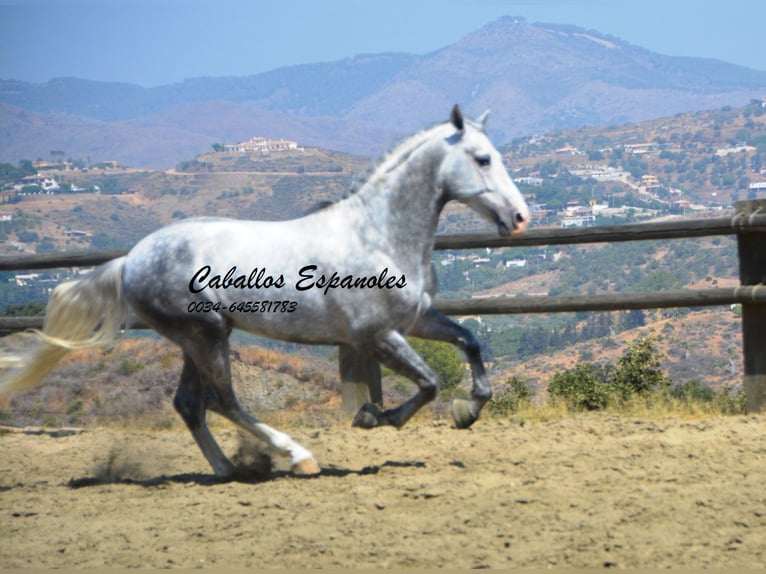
column 654, row 406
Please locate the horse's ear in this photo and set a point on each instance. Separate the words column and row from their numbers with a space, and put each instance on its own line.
column 456, row 117
column 482, row 119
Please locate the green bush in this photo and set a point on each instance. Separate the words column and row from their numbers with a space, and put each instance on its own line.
column 589, row 386
column 445, row 360
column 693, row 391
column 515, row 394
column 585, row 387
column 639, row 370
column 726, row 401
column 128, row 367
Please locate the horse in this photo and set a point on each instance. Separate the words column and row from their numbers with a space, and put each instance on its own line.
column 355, row 273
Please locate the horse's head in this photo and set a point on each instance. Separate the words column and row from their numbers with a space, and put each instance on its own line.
column 472, row 172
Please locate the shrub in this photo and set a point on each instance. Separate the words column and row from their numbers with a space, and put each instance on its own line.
column 693, row 391
column 75, row 412
column 724, row 401
column 585, row 387
column 639, row 370
column 445, row 360
column 515, row 394
column 128, row 367
column 590, row 386
column 731, row 403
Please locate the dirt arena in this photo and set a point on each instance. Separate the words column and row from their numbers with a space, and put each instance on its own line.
column 588, row 491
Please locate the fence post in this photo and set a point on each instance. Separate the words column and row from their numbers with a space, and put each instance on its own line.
column 360, row 379
column 752, row 271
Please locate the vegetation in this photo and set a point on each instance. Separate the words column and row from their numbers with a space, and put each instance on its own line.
column 591, row 387
column 133, row 203
column 516, row 395
column 709, row 158
column 635, row 384
column 10, row 173
column 135, row 379
column 445, row 360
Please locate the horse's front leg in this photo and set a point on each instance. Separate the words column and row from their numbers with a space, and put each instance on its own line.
column 437, row 326
column 395, row 352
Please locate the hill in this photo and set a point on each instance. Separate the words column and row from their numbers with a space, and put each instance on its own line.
column 173, row 135
column 537, row 78
column 130, row 203
column 699, row 344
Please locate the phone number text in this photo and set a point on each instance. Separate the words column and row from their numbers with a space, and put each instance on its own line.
column 243, row 307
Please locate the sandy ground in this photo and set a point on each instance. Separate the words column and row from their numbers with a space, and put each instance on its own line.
column 588, row 491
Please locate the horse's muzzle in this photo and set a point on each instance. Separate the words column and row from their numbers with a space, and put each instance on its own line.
column 518, row 225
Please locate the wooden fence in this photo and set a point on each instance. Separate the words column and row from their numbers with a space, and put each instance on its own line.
column 361, row 376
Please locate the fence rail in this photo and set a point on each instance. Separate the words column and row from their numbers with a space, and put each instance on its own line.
column 361, row 375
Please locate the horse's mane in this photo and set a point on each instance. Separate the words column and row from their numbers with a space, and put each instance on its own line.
column 399, row 153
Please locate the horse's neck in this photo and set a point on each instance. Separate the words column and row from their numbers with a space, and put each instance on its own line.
column 401, row 202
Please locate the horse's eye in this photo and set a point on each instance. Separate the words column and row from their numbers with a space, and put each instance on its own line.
column 483, row 160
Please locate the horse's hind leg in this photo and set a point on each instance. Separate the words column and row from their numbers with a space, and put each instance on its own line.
column 437, row 326
column 212, row 363
column 301, row 460
column 189, row 401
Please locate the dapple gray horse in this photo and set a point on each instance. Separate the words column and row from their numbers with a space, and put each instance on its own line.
column 355, row 273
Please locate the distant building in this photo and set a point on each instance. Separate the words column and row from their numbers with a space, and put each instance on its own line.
column 42, row 165
column 599, row 173
column 529, row 180
column 518, row 263
column 46, row 184
column 722, row 152
column 261, row 145
column 649, row 181
column 755, row 188
column 640, row 148
column 579, row 221
column 24, row 279
column 569, row 150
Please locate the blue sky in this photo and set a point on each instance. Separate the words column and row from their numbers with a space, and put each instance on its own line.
column 154, row 42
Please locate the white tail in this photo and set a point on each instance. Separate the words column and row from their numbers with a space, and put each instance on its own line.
column 80, row 314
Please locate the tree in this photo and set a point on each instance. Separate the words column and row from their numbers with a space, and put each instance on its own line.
column 639, row 370
column 585, row 387
column 632, row 319
column 589, row 386
column 443, row 358
column 28, row 236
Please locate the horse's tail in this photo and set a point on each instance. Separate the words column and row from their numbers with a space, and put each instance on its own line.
column 80, row 314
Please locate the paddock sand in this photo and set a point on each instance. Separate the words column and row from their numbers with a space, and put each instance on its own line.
column 588, row 491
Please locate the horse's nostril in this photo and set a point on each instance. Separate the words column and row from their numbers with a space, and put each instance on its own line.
column 520, row 218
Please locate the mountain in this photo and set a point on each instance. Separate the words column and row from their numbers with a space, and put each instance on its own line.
column 542, row 77
column 536, row 78
column 324, row 89
column 175, row 134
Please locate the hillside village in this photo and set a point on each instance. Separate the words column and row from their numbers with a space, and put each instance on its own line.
column 672, row 166
column 691, row 165
column 648, row 162
column 688, row 165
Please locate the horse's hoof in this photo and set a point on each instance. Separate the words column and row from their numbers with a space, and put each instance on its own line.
column 461, row 414
column 306, row 467
column 368, row 417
